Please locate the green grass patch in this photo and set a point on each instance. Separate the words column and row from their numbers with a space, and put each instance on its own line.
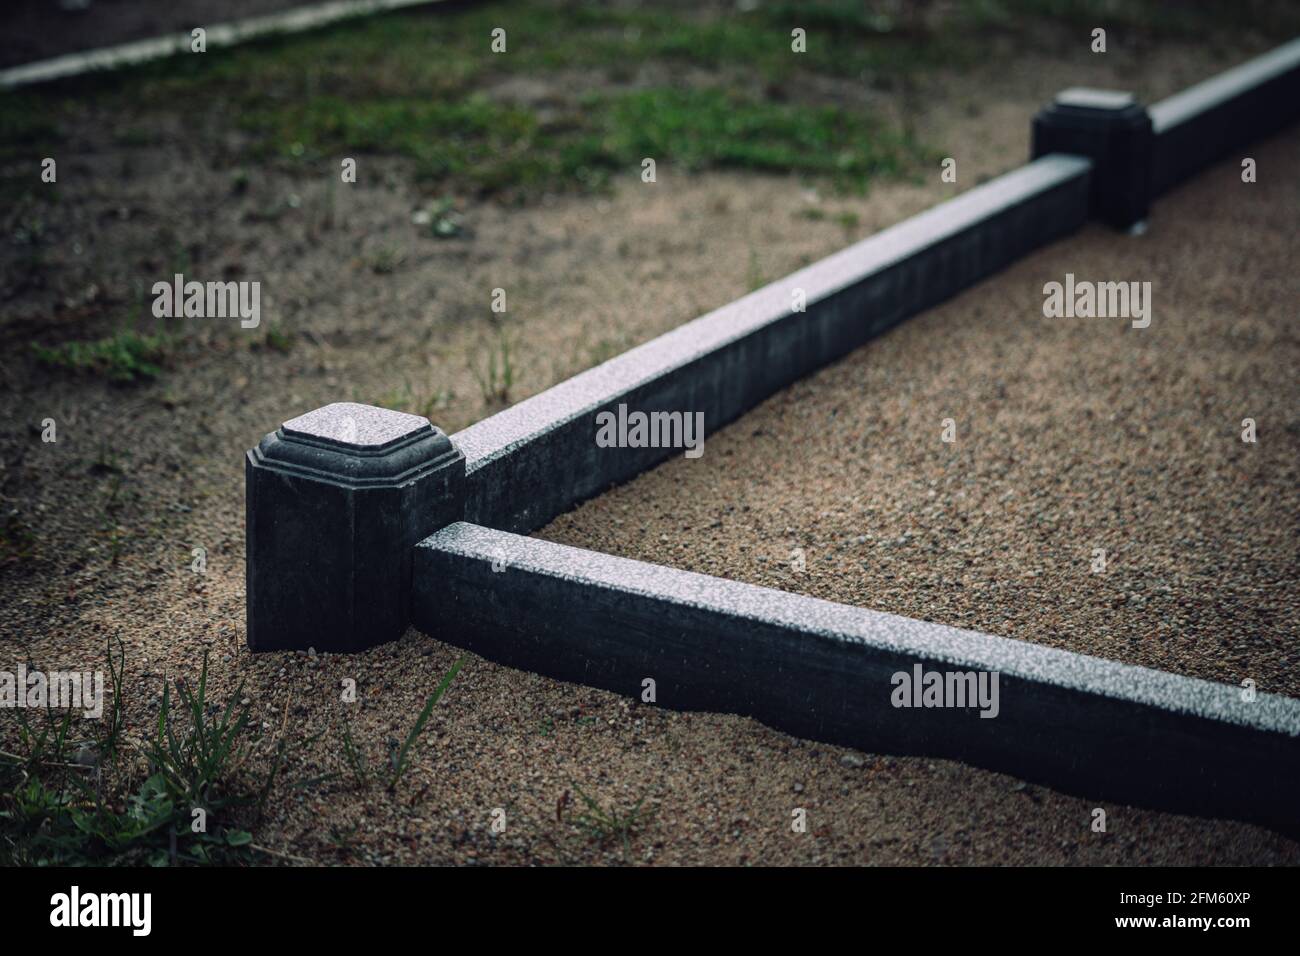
column 180, row 798
column 127, row 357
column 702, row 128
column 474, row 141
column 277, row 339
column 442, row 53
column 490, row 146
column 703, row 87
column 420, row 86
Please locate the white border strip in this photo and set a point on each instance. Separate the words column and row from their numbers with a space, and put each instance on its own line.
column 297, row 20
column 1195, row 101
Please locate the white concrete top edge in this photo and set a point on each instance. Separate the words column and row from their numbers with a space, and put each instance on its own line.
column 587, row 391
column 937, row 642
column 360, row 426
column 1195, row 100
column 296, row 20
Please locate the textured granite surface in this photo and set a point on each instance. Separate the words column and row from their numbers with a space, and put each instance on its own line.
column 825, row 671
column 354, row 425
column 538, row 458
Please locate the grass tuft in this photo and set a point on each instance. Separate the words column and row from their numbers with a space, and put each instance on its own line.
column 495, row 373
column 57, row 806
column 609, row 825
column 126, row 357
column 363, row 774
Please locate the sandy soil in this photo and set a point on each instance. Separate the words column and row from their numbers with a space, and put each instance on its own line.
column 1071, row 435
column 141, row 476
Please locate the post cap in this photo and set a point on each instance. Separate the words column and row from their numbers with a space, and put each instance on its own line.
column 1091, row 98
column 335, row 501
column 356, row 444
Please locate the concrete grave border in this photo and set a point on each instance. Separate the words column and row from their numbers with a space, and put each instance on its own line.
column 233, row 33
column 824, row 670
column 537, row 459
column 812, row 667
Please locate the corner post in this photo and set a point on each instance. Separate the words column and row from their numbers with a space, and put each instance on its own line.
column 1113, row 130
column 335, row 501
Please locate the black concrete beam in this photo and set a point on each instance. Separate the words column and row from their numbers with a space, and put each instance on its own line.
column 1219, row 116
column 1111, row 129
column 539, row 458
column 827, row 671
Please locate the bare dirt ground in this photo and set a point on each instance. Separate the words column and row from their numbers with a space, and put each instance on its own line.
column 101, row 525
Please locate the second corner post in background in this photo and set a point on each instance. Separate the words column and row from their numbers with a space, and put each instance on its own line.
column 1114, row 131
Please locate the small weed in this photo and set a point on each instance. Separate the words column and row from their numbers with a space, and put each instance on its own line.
column 110, row 737
column 54, row 811
column 609, row 825
column 441, row 219
column 436, row 401
column 404, row 399
column 113, row 502
column 755, row 278
column 116, row 543
column 341, row 839
column 385, row 260
column 17, row 542
column 495, row 373
column 194, row 763
column 398, row 757
column 355, row 759
column 106, row 460
column 278, row 340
